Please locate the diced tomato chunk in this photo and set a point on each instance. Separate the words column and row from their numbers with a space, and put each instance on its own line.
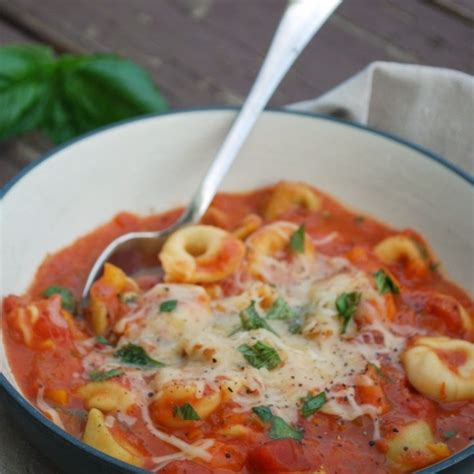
column 282, row 455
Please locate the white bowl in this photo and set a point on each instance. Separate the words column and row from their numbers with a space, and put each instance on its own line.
column 155, row 163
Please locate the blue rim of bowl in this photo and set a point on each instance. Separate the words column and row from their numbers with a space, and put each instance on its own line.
column 12, row 392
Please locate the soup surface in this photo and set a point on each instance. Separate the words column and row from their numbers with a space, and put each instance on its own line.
column 285, row 333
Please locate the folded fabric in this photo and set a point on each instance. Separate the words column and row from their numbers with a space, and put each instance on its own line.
column 432, row 107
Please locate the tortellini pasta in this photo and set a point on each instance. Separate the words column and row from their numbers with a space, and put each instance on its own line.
column 172, row 395
column 106, row 396
column 97, row 435
column 414, row 447
column 288, row 196
column 269, row 242
column 399, row 248
column 441, row 368
column 200, row 254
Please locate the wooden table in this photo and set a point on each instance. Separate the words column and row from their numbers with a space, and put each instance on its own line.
column 207, row 52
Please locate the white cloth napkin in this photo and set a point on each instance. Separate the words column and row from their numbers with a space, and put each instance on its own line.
column 429, row 106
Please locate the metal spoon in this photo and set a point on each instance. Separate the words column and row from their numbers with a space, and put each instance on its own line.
column 300, row 21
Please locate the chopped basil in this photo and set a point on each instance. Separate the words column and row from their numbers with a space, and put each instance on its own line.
column 102, row 340
column 251, row 320
column 168, row 306
column 449, row 434
column 434, row 266
column 263, row 412
column 67, row 298
column 100, row 375
column 260, row 355
column 378, row 371
column 279, row 427
column 359, row 219
column 312, row 403
column 297, row 240
column 136, row 355
column 280, row 310
column 186, row 412
column 425, row 255
column 346, row 305
column 384, row 283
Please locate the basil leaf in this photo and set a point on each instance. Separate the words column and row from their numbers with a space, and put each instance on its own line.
column 25, row 88
column 346, row 305
column 449, row 434
column 312, row 403
column 297, row 240
column 280, row 310
column 260, row 355
column 136, row 355
column 168, row 306
column 251, row 320
column 281, row 429
column 186, row 412
column 100, row 375
column 102, row 340
column 67, row 298
column 263, row 412
column 70, row 95
column 384, row 283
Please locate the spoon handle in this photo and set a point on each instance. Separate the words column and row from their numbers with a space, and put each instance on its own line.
column 300, row 21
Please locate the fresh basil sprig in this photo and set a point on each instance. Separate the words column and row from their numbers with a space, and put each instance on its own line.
column 67, row 298
column 65, row 96
column 186, row 412
column 384, row 283
column 312, row 403
column 346, row 305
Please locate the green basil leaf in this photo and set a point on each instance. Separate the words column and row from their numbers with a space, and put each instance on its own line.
column 67, row 298
column 168, row 306
column 260, row 355
column 280, row 310
column 384, row 283
column 136, row 355
column 312, row 403
column 346, row 305
column 263, row 412
column 297, row 240
column 102, row 340
column 97, row 90
column 100, row 375
column 25, row 88
column 186, row 412
column 281, row 429
column 251, row 320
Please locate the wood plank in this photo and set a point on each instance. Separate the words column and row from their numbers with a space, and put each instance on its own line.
column 428, row 33
column 202, row 60
column 9, row 34
column 461, row 8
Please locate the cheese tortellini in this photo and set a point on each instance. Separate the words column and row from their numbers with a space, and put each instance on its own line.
column 289, row 196
column 414, row 447
column 201, row 254
column 106, row 396
column 441, row 368
column 97, row 435
column 402, row 248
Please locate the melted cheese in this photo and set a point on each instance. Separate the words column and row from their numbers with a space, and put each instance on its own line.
column 194, row 342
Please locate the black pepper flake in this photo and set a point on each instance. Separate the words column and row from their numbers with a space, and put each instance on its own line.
column 228, row 455
column 371, row 442
column 150, row 394
column 395, row 430
column 230, row 390
column 214, row 360
column 405, row 448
